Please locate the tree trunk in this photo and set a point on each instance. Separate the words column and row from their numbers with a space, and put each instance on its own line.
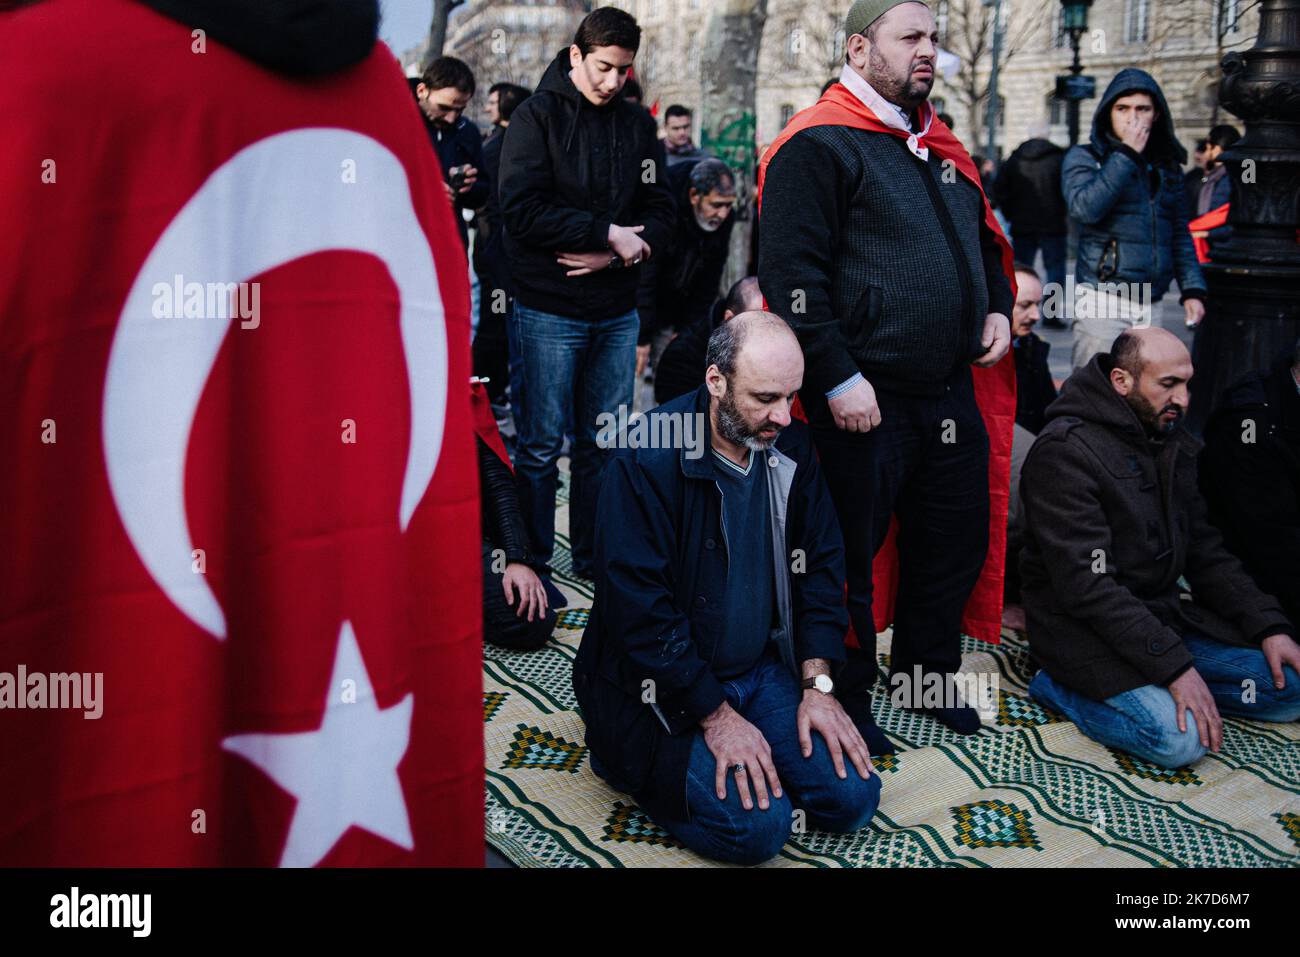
column 438, row 29
column 728, row 125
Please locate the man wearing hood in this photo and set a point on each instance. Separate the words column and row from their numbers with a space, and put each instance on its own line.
column 1114, row 521
column 584, row 201
column 1028, row 192
column 1126, row 193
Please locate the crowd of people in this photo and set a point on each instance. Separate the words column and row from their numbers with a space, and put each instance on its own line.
column 858, row 411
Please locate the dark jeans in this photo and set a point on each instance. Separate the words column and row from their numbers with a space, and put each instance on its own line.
column 501, row 625
column 1027, row 245
column 577, row 367
column 1144, row 721
column 768, row 697
column 927, row 464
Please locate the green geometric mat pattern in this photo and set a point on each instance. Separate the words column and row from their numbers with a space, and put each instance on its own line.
column 1027, row 790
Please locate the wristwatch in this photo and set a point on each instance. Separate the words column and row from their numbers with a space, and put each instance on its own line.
column 822, row 683
column 615, row 260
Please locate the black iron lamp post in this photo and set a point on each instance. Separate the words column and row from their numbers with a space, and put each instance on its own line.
column 1075, row 87
column 1253, row 312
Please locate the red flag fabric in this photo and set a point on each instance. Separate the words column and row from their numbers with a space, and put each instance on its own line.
column 1203, row 224
column 995, row 387
column 240, row 501
column 485, row 423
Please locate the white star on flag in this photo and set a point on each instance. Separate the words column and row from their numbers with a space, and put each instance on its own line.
column 343, row 774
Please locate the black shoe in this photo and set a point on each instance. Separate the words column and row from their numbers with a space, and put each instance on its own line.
column 963, row 720
column 876, row 741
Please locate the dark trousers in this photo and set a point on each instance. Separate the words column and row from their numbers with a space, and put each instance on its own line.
column 926, row 463
column 491, row 352
column 1027, row 245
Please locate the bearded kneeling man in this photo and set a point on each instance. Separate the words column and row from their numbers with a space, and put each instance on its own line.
column 704, row 675
column 1114, row 520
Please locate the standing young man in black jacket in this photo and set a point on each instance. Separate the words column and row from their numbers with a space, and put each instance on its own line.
column 443, row 92
column 584, row 201
column 882, row 260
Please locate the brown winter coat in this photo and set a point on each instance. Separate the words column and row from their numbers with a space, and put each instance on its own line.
column 1113, row 521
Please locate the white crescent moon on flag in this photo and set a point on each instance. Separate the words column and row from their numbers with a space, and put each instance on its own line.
column 277, row 200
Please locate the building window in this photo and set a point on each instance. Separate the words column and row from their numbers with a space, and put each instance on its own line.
column 787, row 114
column 1227, row 16
column 941, row 20
column 1136, row 21
column 1055, row 109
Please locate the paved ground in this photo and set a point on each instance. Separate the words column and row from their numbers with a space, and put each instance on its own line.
column 1167, row 313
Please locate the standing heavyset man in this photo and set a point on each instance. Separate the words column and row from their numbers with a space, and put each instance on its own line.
column 584, row 201
column 878, row 247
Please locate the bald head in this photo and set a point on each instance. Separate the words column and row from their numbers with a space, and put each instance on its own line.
column 1151, row 371
column 755, row 367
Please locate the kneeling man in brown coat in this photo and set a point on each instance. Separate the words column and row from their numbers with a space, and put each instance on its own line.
column 1114, row 521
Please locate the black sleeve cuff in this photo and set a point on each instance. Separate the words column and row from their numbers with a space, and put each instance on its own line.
column 1191, row 294
column 1178, row 674
column 1282, row 628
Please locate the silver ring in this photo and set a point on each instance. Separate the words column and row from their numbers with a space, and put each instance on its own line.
column 635, row 261
column 738, row 768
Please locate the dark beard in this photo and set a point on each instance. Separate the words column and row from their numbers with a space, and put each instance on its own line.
column 903, row 91
column 1149, row 415
column 732, row 427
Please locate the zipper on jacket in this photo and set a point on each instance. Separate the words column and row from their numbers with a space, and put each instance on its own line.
column 964, row 279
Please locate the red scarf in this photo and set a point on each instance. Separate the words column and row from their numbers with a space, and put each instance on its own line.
column 995, row 388
column 485, row 423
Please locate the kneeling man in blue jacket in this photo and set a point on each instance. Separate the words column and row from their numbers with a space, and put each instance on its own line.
column 704, row 675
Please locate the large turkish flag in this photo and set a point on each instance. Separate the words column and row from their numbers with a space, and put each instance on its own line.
column 256, row 516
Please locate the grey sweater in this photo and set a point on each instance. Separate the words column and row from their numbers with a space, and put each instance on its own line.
column 880, row 262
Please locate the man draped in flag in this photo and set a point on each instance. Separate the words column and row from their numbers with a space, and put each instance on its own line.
column 878, row 247
column 238, row 492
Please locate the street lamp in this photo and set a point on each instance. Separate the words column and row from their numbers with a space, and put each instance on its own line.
column 1253, row 313
column 1073, row 88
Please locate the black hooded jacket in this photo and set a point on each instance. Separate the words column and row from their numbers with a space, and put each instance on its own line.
column 570, row 169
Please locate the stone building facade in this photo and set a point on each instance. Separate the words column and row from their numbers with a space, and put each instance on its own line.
column 802, row 46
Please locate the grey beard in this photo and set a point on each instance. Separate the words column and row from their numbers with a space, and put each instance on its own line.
column 732, row 427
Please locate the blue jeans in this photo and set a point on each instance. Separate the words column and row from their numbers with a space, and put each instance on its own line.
column 1026, row 246
column 1144, row 721
column 768, row 697
column 575, row 368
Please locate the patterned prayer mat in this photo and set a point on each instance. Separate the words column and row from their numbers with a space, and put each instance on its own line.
column 1027, row 790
